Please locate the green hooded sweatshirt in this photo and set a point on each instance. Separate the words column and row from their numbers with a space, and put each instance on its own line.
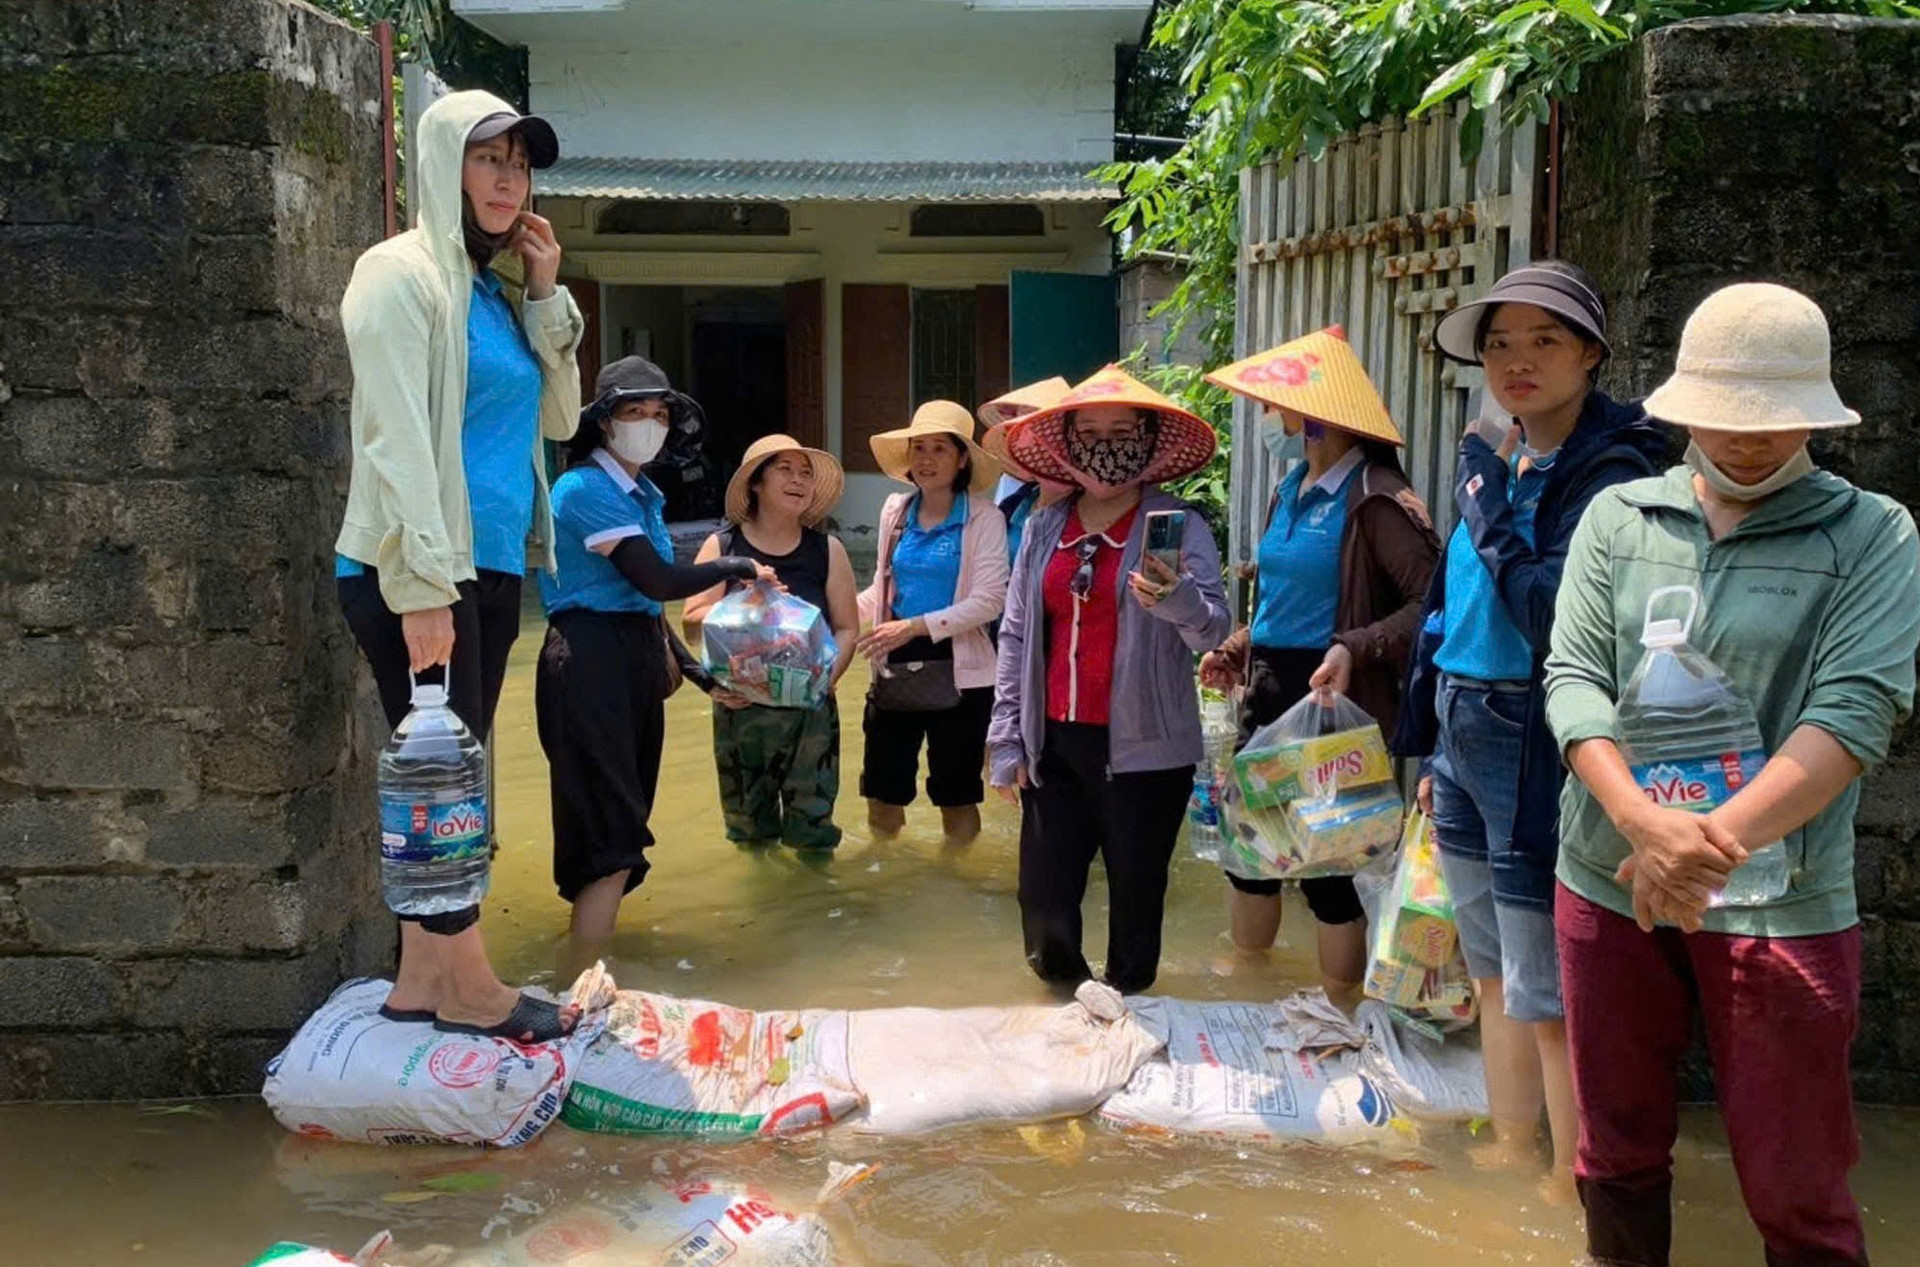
column 405, row 316
column 1811, row 605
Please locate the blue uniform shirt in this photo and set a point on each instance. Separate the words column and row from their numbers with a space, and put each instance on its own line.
column 926, row 562
column 594, row 504
column 1300, row 558
column 1481, row 641
column 1017, row 501
column 497, row 430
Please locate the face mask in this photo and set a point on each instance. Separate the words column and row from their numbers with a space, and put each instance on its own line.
column 1114, row 462
column 1796, row 467
column 638, row 442
column 1540, row 459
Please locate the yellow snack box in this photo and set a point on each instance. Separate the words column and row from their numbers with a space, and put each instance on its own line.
column 1312, row 766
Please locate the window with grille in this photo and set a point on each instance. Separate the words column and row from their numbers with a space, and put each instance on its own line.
column 944, row 323
column 978, row 220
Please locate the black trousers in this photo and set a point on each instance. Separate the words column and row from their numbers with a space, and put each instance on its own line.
column 599, row 695
column 1077, row 810
column 1277, row 681
column 956, row 740
column 486, row 620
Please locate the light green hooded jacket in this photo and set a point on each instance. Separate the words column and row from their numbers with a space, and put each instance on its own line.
column 405, row 315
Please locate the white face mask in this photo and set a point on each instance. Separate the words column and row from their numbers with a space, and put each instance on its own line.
column 638, row 442
column 1796, row 467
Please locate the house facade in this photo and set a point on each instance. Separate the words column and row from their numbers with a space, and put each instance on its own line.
column 816, row 213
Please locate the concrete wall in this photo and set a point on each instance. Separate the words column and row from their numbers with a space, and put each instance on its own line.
column 186, row 856
column 1787, row 150
column 1143, row 288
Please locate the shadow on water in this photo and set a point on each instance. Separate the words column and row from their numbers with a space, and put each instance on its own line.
column 907, row 921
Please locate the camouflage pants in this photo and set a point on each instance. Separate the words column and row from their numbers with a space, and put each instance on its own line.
column 779, row 773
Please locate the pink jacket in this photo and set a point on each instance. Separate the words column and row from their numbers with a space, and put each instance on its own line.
column 977, row 601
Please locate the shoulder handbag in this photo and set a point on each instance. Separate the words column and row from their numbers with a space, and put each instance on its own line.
column 912, row 686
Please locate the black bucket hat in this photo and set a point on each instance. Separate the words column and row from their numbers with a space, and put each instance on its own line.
column 637, row 378
column 1560, row 288
column 543, row 146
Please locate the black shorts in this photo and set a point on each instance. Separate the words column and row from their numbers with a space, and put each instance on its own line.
column 956, row 740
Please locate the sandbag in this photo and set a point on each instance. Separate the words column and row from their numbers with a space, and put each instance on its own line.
column 921, row 1069
column 1425, row 1075
column 693, row 1225
column 351, row 1074
column 1219, row 1077
column 685, row 1066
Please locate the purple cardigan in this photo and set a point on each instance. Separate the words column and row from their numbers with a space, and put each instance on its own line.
column 1155, row 716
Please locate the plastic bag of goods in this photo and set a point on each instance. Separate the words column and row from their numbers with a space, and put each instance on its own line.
column 351, row 1074
column 1217, row 733
column 1219, row 1077
column 921, row 1069
column 289, row 1254
column 769, row 646
column 687, row 1067
column 1312, row 794
column 1414, row 961
column 693, row 1225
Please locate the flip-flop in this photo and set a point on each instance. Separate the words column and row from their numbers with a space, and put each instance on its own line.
column 531, row 1021
column 406, row 1016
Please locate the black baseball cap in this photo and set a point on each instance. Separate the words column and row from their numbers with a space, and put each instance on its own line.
column 1561, row 289
column 543, row 147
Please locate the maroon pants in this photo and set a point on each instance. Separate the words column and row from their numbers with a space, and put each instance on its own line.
column 1780, row 1017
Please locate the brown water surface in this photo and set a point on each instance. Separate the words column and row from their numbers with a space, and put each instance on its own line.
column 900, row 922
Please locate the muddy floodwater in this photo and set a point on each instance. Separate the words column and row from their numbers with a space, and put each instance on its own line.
column 901, row 922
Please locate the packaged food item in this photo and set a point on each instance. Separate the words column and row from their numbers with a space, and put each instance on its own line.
column 1314, row 750
column 769, row 646
column 1415, row 964
column 1305, row 839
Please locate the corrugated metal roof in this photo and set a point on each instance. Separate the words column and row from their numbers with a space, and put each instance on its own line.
column 818, row 181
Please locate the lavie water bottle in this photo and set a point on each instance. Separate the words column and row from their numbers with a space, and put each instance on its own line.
column 1692, row 739
column 433, row 810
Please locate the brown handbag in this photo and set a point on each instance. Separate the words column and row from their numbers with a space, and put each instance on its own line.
column 911, row 686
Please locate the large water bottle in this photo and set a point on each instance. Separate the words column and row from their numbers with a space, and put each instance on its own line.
column 1692, row 740
column 434, row 855
column 1218, row 732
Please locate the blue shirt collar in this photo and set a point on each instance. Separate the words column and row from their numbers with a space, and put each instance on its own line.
column 956, row 515
column 487, row 280
column 642, row 488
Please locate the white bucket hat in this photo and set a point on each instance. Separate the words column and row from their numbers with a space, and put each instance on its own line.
column 1753, row 357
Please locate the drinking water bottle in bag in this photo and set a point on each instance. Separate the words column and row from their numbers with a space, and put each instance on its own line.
column 1217, row 732
column 1692, row 740
column 432, row 781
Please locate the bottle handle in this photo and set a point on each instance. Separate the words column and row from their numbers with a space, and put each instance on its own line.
column 446, row 678
column 1692, row 593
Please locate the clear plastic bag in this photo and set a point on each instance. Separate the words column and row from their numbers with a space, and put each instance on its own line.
column 1312, row 794
column 1205, row 826
column 1414, row 960
column 769, row 646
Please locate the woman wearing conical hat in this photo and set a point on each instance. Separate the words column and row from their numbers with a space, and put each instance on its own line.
column 1019, row 492
column 1096, row 728
column 779, row 768
column 1343, row 568
column 1808, row 599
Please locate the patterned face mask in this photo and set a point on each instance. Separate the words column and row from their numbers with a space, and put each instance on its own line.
column 1113, row 462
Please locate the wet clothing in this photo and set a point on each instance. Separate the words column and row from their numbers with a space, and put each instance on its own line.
column 1082, row 625
column 956, row 740
column 410, row 511
column 1300, row 558
column 1611, row 444
column 779, row 773
column 486, row 620
column 1780, row 1015
column 1479, row 639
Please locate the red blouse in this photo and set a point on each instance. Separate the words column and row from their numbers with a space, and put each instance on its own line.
column 1082, row 626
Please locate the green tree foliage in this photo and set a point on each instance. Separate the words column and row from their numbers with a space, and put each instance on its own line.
column 458, row 52
column 1275, row 78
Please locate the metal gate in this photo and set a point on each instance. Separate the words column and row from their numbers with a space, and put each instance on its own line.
column 1384, row 234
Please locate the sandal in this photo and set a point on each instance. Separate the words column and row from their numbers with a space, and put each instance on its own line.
column 531, row 1021
column 407, row 1016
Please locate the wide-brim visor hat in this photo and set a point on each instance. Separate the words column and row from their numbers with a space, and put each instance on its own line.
column 1575, row 303
column 543, row 145
column 829, row 480
column 893, row 450
column 1184, row 442
column 1753, row 357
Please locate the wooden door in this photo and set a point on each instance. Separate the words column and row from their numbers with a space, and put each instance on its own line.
column 991, row 366
column 1063, row 323
column 806, row 362
column 586, row 296
column 876, row 367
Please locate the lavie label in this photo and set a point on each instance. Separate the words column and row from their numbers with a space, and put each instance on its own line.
column 420, row 831
column 1698, row 784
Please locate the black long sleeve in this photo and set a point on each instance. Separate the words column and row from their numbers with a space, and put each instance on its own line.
column 662, row 581
column 690, row 668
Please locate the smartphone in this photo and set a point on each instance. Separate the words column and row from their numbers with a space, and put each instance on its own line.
column 1165, row 531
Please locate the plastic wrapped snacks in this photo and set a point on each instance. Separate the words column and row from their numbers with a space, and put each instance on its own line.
column 769, row 646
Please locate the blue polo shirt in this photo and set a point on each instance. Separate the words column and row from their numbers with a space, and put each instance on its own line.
column 1300, row 558
column 593, row 504
column 1016, row 501
column 926, row 562
column 500, row 421
column 1481, row 641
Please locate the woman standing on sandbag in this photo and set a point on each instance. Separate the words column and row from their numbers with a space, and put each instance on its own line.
column 1096, row 728
column 1344, row 565
column 1806, row 594
column 779, row 768
column 462, row 344
column 608, row 663
column 1476, row 685
column 939, row 582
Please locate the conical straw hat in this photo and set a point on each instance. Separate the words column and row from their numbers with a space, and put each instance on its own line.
column 1319, row 377
column 1022, row 401
column 1038, row 441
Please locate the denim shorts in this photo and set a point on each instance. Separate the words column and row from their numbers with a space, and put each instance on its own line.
column 1476, row 792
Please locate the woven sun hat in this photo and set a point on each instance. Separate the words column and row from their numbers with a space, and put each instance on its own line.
column 1753, row 357
column 891, row 449
column 829, row 480
column 1038, row 441
column 1319, row 377
column 1022, row 401
column 1558, row 287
